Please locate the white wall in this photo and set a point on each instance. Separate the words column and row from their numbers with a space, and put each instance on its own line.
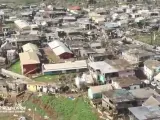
column 94, row 75
column 116, row 85
column 149, row 73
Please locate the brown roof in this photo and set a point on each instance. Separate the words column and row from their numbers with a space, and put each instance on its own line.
column 53, row 57
column 127, row 81
column 29, row 58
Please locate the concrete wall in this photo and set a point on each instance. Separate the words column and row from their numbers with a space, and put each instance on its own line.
column 106, row 103
column 92, row 95
column 126, row 73
column 129, row 58
column 117, row 86
column 148, row 73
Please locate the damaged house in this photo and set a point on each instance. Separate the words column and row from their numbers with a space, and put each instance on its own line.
column 117, row 101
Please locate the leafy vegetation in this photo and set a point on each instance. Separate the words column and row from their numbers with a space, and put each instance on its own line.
column 46, row 78
column 29, row 1
column 5, row 117
column 70, row 109
column 143, row 38
column 71, row 1
column 148, row 38
column 54, row 78
column 16, row 67
column 34, row 107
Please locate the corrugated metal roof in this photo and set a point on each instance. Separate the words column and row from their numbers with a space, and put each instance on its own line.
column 146, row 112
column 22, row 24
column 29, row 58
column 29, row 47
column 110, row 25
column 119, row 95
column 102, row 66
column 59, row 47
column 65, row 66
column 55, row 44
column 143, row 93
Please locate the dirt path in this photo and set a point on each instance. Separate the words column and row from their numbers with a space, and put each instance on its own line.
column 34, row 115
column 49, row 111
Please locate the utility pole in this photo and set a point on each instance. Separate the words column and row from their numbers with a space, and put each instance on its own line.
column 153, row 37
column 34, row 113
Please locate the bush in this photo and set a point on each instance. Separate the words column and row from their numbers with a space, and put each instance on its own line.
column 30, row 105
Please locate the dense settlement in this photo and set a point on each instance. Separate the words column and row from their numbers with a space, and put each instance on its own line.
column 87, row 52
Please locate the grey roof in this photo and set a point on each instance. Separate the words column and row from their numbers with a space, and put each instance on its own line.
column 2, row 82
column 143, row 93
column 77, row 37
column 102, row 66
column 59, row 47
column 119, row 95
column 146, row 112
column 95, row 44
column 69, row 18
column 111, row 25
column 27, row 38
column 75, row 43
column 127, row 81
column 88, row 50
column 101, row 88
column 120, row 64
column 139, row 53
column 65, row 66
column 55, row 44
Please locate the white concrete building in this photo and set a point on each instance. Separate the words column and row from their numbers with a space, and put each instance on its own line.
column 151, row 68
